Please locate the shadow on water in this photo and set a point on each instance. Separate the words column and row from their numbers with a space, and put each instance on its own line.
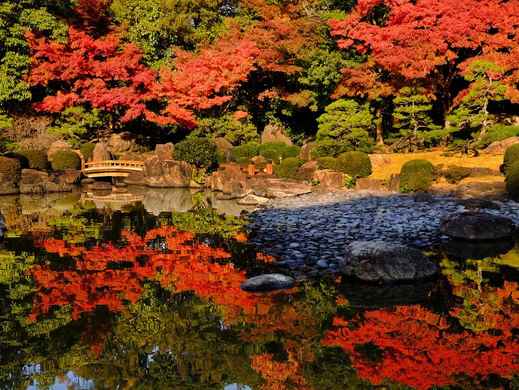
column 128, row 298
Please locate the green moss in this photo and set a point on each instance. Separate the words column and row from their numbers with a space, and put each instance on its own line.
column 288, row 168
column 200, row 152
column 243, row 153
column 327, row 163
column 354, row 164
column 512, row 181
column 65, row 159
column 37, row 159
column 87, row 150
column 511, row 156
column 416, row 175
column 276, row 151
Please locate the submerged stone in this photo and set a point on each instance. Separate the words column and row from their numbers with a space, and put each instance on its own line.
column 473, row 225
column 268, row 282
column 380, row 261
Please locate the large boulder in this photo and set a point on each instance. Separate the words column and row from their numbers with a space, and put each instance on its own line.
column 380, row 261
column 307, row 170
column 230, row 180
column 101, row 153
column 38, row 182
column 270, row 187
column 168, row 173
column 306, row 151
column 499, row 147
column 473, row 225
column 165, row 151
column 268, row 282
column 10, row 171
column 224, row 147
column 275, row 133
column 368, row 184
column 329, row 179
column 121, row 143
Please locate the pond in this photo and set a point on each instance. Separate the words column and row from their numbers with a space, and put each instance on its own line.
column 99, row 294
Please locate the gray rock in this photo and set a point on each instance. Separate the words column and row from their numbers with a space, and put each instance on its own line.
column 380, row 261
column 473, row 225
column 268, row 282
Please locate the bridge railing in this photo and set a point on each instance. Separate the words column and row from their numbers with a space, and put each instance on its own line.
column 114, row 164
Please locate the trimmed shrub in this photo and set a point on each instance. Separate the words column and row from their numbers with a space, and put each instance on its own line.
column 354, row 164
column 87, row 150
column 327, row 163
column 276, row 151
column 455, row 174
column 328, row 148
column 65, row 159
column 200, row 152
column 498, row 132
column 511, row 156
column 288, row 168
column 243, row 153
column 37, row 159
column 512, row 181
column 416, row 175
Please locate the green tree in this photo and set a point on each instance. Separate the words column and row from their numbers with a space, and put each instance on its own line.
column 412, row 113
column 76, row 123
column 236, row 131
column 346, row 121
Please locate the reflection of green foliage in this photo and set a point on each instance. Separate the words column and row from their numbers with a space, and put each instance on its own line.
column 76, row 229
column 208, row 221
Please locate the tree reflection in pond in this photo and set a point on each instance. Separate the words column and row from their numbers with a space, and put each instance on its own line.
column 128, row 300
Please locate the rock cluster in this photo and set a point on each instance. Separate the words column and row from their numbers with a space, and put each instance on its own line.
column 310, row 234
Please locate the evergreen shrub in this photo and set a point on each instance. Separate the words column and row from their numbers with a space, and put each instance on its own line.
column 416, row 175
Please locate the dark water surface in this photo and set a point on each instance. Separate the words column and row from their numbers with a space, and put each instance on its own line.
column 135, row 298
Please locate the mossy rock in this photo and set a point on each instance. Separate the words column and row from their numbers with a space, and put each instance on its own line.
column 37, row 159
column 10, row 167
column 65, row 159
column 276, row 151
column 454, row 174
column 416, row 175
column 512, row 181
column 201, row 152
column 327, row 163
column 511, row 156
column 288, row 168
column 354, row 164
column 242, row 154
column 87, row 150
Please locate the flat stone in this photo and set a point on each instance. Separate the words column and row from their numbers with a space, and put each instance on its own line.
column 473, row 225
column 268, row 282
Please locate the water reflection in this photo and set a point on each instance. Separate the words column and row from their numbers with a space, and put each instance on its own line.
column 125, row 299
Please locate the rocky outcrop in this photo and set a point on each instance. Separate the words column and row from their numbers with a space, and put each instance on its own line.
column 56, row 147
column 306, row 151
column 380, row 261
column 329, row 179
column 10, row 170
column 230, row 180
column 307, row 170
column 367, row 184
column 101, row 153
column 38, row 182
column 224, row 147
column 268, row 282
column 164, row 151
column 121, row 143
column 168, row 173
column 274, row 133
column 499, row 147
column 473, row 225
column 270, row 187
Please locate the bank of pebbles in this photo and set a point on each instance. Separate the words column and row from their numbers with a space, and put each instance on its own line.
column 308, row 234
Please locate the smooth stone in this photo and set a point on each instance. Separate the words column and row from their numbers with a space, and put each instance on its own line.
column 477, row 226
column 322, row 264
column 380, row 261
column 268, row 282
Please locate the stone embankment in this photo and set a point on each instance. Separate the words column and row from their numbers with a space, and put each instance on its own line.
column 309, row 234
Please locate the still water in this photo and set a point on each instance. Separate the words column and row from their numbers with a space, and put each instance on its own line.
column 98, row 295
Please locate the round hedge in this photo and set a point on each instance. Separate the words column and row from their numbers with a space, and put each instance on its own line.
column 37, row 159
column 512, row 181
column 354, row 164
column 511, row 156
column 200, row 152
column 276, row 151
column 243, row 153
column 416, row 175
column 288, row 168
column 327, row 163
column 65, row 159
column 87, row 150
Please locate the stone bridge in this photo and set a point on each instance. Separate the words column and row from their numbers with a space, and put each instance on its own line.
column 112, row 168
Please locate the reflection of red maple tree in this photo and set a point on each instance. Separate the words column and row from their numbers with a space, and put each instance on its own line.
column 94, row 281
column 418, row 348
